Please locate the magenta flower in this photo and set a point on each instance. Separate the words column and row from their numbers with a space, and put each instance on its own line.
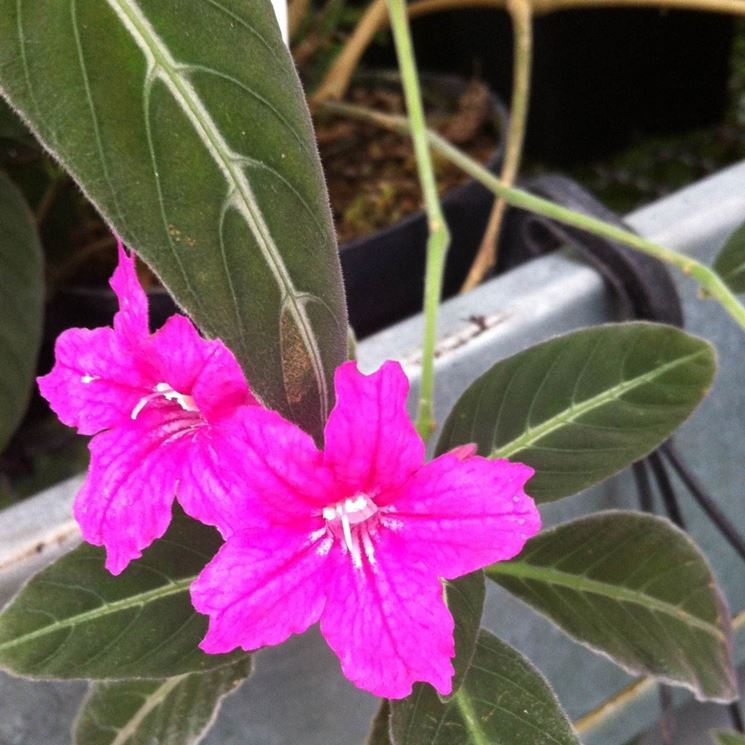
column 358, row 536
column 155, row 403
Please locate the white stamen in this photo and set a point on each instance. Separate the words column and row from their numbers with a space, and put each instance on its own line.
column 88, row 378
column 346, row 528
column 163, row 389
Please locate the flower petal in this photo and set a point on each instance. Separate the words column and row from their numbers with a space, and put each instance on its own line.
column 262, row 587
column 210, row 488
column 131, row 321
column 460, row 515
column 95, row 382
column 125, row 502
column 281, row 472
column 205, row 369
column 370, row 441
column 388, row 623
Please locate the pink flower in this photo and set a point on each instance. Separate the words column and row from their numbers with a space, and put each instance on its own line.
column 155, row 403
column 358, row 536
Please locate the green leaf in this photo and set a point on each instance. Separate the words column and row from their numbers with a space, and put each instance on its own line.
column 727, row 737
column 465, row 599
column 185, row 123
column 11, row 126
column 22, row 298
column 635, row 588
column 171, row 711
column 75, row 620
column 581, row 407
column 730, row 263
column 380, row 727
column 504, row 700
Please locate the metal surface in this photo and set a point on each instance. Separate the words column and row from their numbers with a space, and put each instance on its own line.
column 297, row 696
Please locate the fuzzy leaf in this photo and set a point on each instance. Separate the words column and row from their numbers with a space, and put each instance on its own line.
column 171, row 711
column 583, row 406
column 185, row 124
column 730, row 263
column 465, row 598
column 634, row 588
column 75, row 620
column 380, row 727
column 22, row 298
column 504, row 700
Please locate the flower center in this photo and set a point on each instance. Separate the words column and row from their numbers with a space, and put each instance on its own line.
column 355, row 517
column 164, row 390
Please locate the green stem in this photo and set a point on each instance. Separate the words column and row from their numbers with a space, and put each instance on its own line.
column 439, row 236
column 522, row 32
column 707, row 278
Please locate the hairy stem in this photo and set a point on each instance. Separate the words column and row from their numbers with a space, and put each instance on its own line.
column 439, row 237
column 707, row 278
column 522, row 25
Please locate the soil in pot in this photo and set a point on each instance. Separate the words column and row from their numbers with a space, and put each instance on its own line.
column 376, row 197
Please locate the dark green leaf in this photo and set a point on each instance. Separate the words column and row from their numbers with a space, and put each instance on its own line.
column 581, row 407
column 380, row 727
column 171, row 711
column 504, row 700
column 730, row 263
column 634, row 588
column 11, row 126
column 22, row 299
column 465, row 598
column 75, row 620
column 726, row 737
column 185, row 123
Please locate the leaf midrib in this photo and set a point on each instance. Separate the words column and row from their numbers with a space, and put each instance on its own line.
column 292, row 298
column 133, row 601
column 574, row 412
column 581, row 583
column 151, row 703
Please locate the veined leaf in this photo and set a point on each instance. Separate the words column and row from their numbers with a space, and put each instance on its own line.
column 583, row 406
column 504, row 700
column 634, row 588
column 465, row 599
column 75, row 620
column 22, row 297
column 185, row 123
column 172, row 711
column 730, row 263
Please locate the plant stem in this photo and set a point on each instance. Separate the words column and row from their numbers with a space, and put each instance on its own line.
column 522, row 26
column 439, row 236
column 707, row 278
column 336, row 82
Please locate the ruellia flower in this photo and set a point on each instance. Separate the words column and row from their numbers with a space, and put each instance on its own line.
column 358, row 536
column 155, row 403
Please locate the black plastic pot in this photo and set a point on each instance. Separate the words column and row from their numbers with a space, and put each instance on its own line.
column 599, row 75
column 384, row 272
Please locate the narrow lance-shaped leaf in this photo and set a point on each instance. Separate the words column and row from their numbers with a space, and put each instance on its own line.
column 75, row 620
column 22, row 298
column 465, row 599
column 730, row 263
column 504, row 700
column 583, row 406
column 634, row 588
column 171, row 711
column 185, row 123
